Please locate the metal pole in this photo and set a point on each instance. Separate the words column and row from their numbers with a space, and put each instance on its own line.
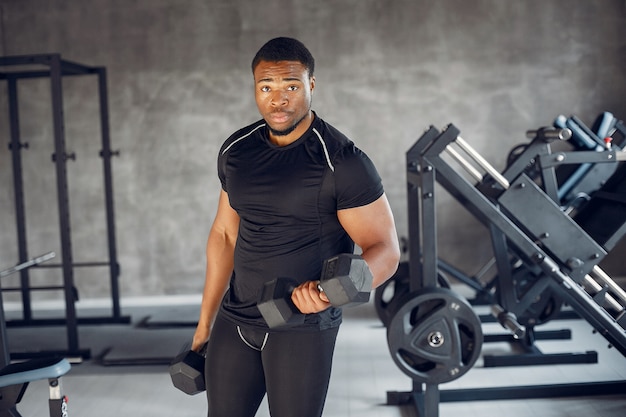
column 63, row 201
column 18, row 190
column 106, row 154
column 482, row 162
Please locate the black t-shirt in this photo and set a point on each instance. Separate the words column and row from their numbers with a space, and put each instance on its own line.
column 287, row 199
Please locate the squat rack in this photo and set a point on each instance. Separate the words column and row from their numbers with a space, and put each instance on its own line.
column 52, row 66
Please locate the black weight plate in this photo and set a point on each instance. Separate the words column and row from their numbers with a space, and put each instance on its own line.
column 544, row 307
column 434, row 336
column 387, row 295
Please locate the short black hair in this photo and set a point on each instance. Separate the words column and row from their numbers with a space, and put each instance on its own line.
column 285, row 49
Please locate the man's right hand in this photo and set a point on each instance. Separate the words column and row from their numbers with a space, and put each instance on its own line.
column 309, row 299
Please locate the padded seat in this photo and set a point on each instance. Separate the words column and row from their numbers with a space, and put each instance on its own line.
column 33, row 370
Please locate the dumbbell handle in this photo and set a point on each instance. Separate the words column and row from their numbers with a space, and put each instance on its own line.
column 323, row 295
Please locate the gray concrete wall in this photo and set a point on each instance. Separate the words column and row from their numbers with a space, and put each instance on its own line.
column 180, row 83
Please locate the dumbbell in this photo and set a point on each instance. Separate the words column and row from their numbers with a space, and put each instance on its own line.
column 187, row 370
column 346, row 280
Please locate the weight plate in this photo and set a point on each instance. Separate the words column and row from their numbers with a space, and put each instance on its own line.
column 545, row 307
column 387, row 295
column 434, row 336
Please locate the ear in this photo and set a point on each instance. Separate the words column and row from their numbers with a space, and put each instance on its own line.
column 312, row 83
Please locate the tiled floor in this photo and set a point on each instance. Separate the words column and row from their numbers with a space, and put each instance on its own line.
column 362, row 375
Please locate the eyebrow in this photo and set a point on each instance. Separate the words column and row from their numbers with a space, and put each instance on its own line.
column 288, row 79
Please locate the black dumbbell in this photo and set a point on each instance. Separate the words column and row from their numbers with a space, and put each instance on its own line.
column 187, row 370
column 276, row 306
column 346, row 280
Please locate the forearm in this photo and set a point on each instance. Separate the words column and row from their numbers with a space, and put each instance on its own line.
column 219, row 267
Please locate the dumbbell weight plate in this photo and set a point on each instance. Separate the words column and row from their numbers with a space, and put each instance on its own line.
column 434, row 336
column 187, row 371
column 346, row 280
column 276, row 306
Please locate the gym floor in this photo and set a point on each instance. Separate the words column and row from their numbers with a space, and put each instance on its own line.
column 114, row 382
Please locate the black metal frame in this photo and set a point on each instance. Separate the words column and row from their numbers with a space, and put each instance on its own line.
column 55, row 68
column 499, row 209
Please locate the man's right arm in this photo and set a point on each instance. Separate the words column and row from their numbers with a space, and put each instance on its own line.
column 220, row 250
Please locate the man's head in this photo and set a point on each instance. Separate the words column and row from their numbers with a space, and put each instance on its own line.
column 284, row 83
column 285, row 49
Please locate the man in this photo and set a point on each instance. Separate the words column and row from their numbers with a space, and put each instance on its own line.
column 295, row 191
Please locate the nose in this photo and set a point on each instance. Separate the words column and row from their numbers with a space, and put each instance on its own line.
column 279, row 98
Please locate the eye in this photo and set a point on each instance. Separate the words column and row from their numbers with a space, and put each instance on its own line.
column 265, row 89
column 292, row 88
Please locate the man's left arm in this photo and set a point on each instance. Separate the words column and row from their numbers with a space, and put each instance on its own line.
column 373, row 229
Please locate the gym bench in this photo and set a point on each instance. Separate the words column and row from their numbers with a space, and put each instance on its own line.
column 15, row 377
column 14, row 380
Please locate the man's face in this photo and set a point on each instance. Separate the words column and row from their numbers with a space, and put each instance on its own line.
column 283, row 96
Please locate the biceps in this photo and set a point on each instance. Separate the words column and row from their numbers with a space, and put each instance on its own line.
column 369, row 225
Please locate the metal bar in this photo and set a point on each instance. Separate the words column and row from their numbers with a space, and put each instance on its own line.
column 108, row 191
column 23, row 75
column 482, row 162
column 482, row 271
column 66, row 67
column 417, row 150
column 5, row 355
column 47, row 288
column 63, row 202
column 27, row 264
column 414, row 186
column 608, row 298
column 61, row 321
column 18, row 191
column 75, row 265
column 415, row 264
column 550, row 183
column 536, row 359
column 584, row 305
column 548, row 134
column 431, row 400
column 38, row 59
column 580, row 157
column 534, row 391
column 463, row 162
column 428, row 229
column 605, row 278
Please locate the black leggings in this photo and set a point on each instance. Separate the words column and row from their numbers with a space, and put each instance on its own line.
column 292, row 367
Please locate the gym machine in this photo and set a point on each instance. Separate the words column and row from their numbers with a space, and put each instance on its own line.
column 433, row 335
column 568, row 185
column 52, row 66
column 15, row 377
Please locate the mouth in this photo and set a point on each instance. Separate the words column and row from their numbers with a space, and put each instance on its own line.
column 280, row 117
